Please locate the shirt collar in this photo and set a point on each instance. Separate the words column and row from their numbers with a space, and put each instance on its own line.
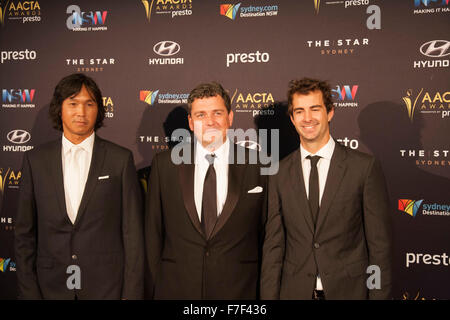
column 325, row 152
column 221, row 153
column 87, row 144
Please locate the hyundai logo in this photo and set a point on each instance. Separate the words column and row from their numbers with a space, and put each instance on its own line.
column 18, row 136
column 249, row 144
column 436, row 48
column 166, row 48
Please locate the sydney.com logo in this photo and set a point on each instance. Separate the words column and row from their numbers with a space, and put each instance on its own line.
column 152, row 97
column 231, row 11
column 411, row 207
column 4, row 263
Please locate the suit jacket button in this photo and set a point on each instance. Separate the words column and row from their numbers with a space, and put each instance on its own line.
column 316, row 245
column 74, row 257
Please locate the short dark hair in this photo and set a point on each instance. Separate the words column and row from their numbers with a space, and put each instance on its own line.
column 307, row 85
column 70, row 86
column 205, row 90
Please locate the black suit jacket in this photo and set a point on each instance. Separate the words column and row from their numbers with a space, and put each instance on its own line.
column 353, row 231
column 183, row 263
column 106, row 240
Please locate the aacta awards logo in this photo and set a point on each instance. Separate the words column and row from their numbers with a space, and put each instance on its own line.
column 3, row 176
column 173, row 8
column 21, row 11
column 346, row 4
column 108, row 104
column 416, row 296
column 256, row 103
column 428, row 102
column 373, row 21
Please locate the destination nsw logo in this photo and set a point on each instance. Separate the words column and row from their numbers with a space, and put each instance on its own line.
column 152, row 97
column 411, row 207
column 5, row 262
column 231, row 11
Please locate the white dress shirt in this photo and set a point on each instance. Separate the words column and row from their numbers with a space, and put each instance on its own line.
column 221, row 168
column 84, row 162
column 326, row 152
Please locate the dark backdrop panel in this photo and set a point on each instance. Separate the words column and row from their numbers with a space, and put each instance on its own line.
column 375, row 75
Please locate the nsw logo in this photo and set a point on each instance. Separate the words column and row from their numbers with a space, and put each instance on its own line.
column 85, row 21
column 345, row 92
column 18, row 95
column 345, row 96
column 417, row 3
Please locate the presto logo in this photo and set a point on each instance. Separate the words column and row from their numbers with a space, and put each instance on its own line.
column 251, row 57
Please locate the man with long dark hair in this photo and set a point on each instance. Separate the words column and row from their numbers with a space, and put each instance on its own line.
column 79, row 228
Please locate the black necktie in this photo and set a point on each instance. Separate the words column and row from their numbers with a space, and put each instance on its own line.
column 209, row 201
column 314, row 188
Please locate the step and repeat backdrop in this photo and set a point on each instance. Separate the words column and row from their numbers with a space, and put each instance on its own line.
column 387, row 63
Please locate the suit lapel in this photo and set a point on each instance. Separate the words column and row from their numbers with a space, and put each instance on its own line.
column 186, row 176
column 334, row 178
column 98, row 157
column 55, row 163
column 235, row 176
column 298, row 184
